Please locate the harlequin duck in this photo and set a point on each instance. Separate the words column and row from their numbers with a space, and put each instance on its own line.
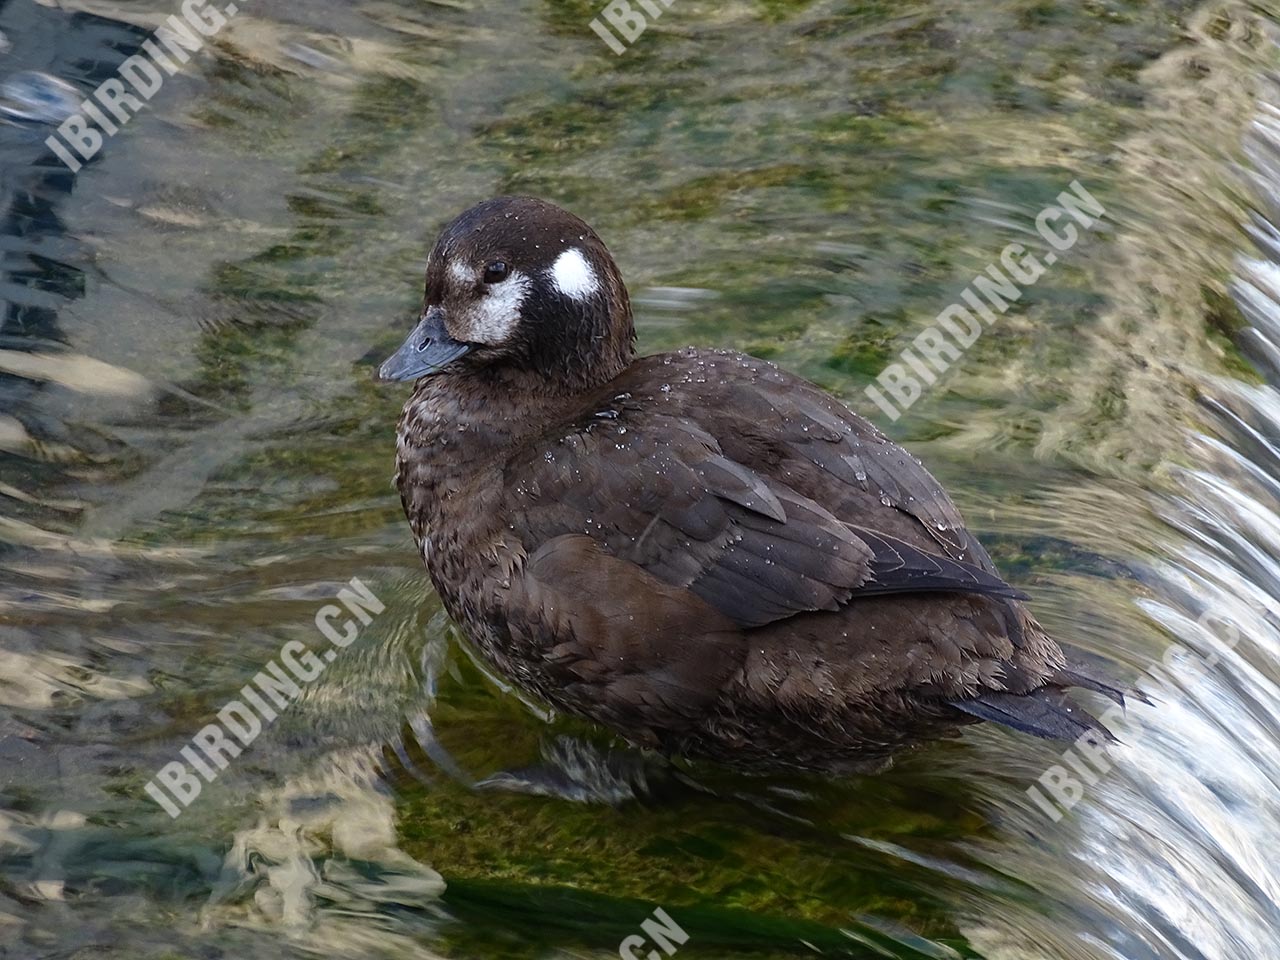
column 706, row 554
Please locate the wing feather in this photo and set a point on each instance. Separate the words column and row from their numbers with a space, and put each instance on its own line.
column 660, row 491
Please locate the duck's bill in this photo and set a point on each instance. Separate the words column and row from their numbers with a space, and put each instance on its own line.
column 428, row 350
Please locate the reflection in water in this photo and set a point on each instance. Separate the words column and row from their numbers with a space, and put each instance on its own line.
column 191, row 454
column 322, row 862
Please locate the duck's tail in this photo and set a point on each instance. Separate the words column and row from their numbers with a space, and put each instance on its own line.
column 1045, row 712
column 1049, row 711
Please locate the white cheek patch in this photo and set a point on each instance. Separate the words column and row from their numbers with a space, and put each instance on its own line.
column 496, row 316
column 460, row 272
column 573, row 276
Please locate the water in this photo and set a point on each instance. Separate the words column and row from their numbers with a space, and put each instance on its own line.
column 193, row 461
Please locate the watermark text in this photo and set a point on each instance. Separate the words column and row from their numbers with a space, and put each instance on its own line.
column 934, row 351
column 238, row 724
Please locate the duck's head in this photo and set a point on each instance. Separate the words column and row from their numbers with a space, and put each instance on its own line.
column 518, row 285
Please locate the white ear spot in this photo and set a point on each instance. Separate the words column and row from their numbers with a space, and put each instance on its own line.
column 498, row 313
column 573, row 276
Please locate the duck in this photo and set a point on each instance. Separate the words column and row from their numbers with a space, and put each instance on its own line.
column 708, row 556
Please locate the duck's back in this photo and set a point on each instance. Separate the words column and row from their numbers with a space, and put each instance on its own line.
column 713, row 557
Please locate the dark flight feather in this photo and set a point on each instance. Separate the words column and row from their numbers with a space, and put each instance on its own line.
column 1045, row 712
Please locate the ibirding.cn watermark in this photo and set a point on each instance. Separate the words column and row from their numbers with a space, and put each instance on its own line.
column 270, row 692
column 627, row 21
column 167, row 51
column 956, row 328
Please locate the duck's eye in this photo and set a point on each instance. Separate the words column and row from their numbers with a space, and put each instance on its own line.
column 496, row 272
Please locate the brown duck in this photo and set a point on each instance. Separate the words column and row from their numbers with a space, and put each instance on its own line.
column 698, row 550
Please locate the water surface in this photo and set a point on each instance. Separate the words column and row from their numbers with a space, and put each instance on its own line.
column 193, row 459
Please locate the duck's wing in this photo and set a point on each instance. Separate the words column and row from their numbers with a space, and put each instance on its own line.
column 659, row 491
column 657, row 542
column 788, row 427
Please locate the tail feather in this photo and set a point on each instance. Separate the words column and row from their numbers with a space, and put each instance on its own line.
column 1046, row 712
column 1073, row 677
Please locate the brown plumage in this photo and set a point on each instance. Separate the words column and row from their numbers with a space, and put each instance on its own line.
column 702, row 552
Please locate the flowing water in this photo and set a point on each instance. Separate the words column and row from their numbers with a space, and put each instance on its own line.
column 194, row 460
